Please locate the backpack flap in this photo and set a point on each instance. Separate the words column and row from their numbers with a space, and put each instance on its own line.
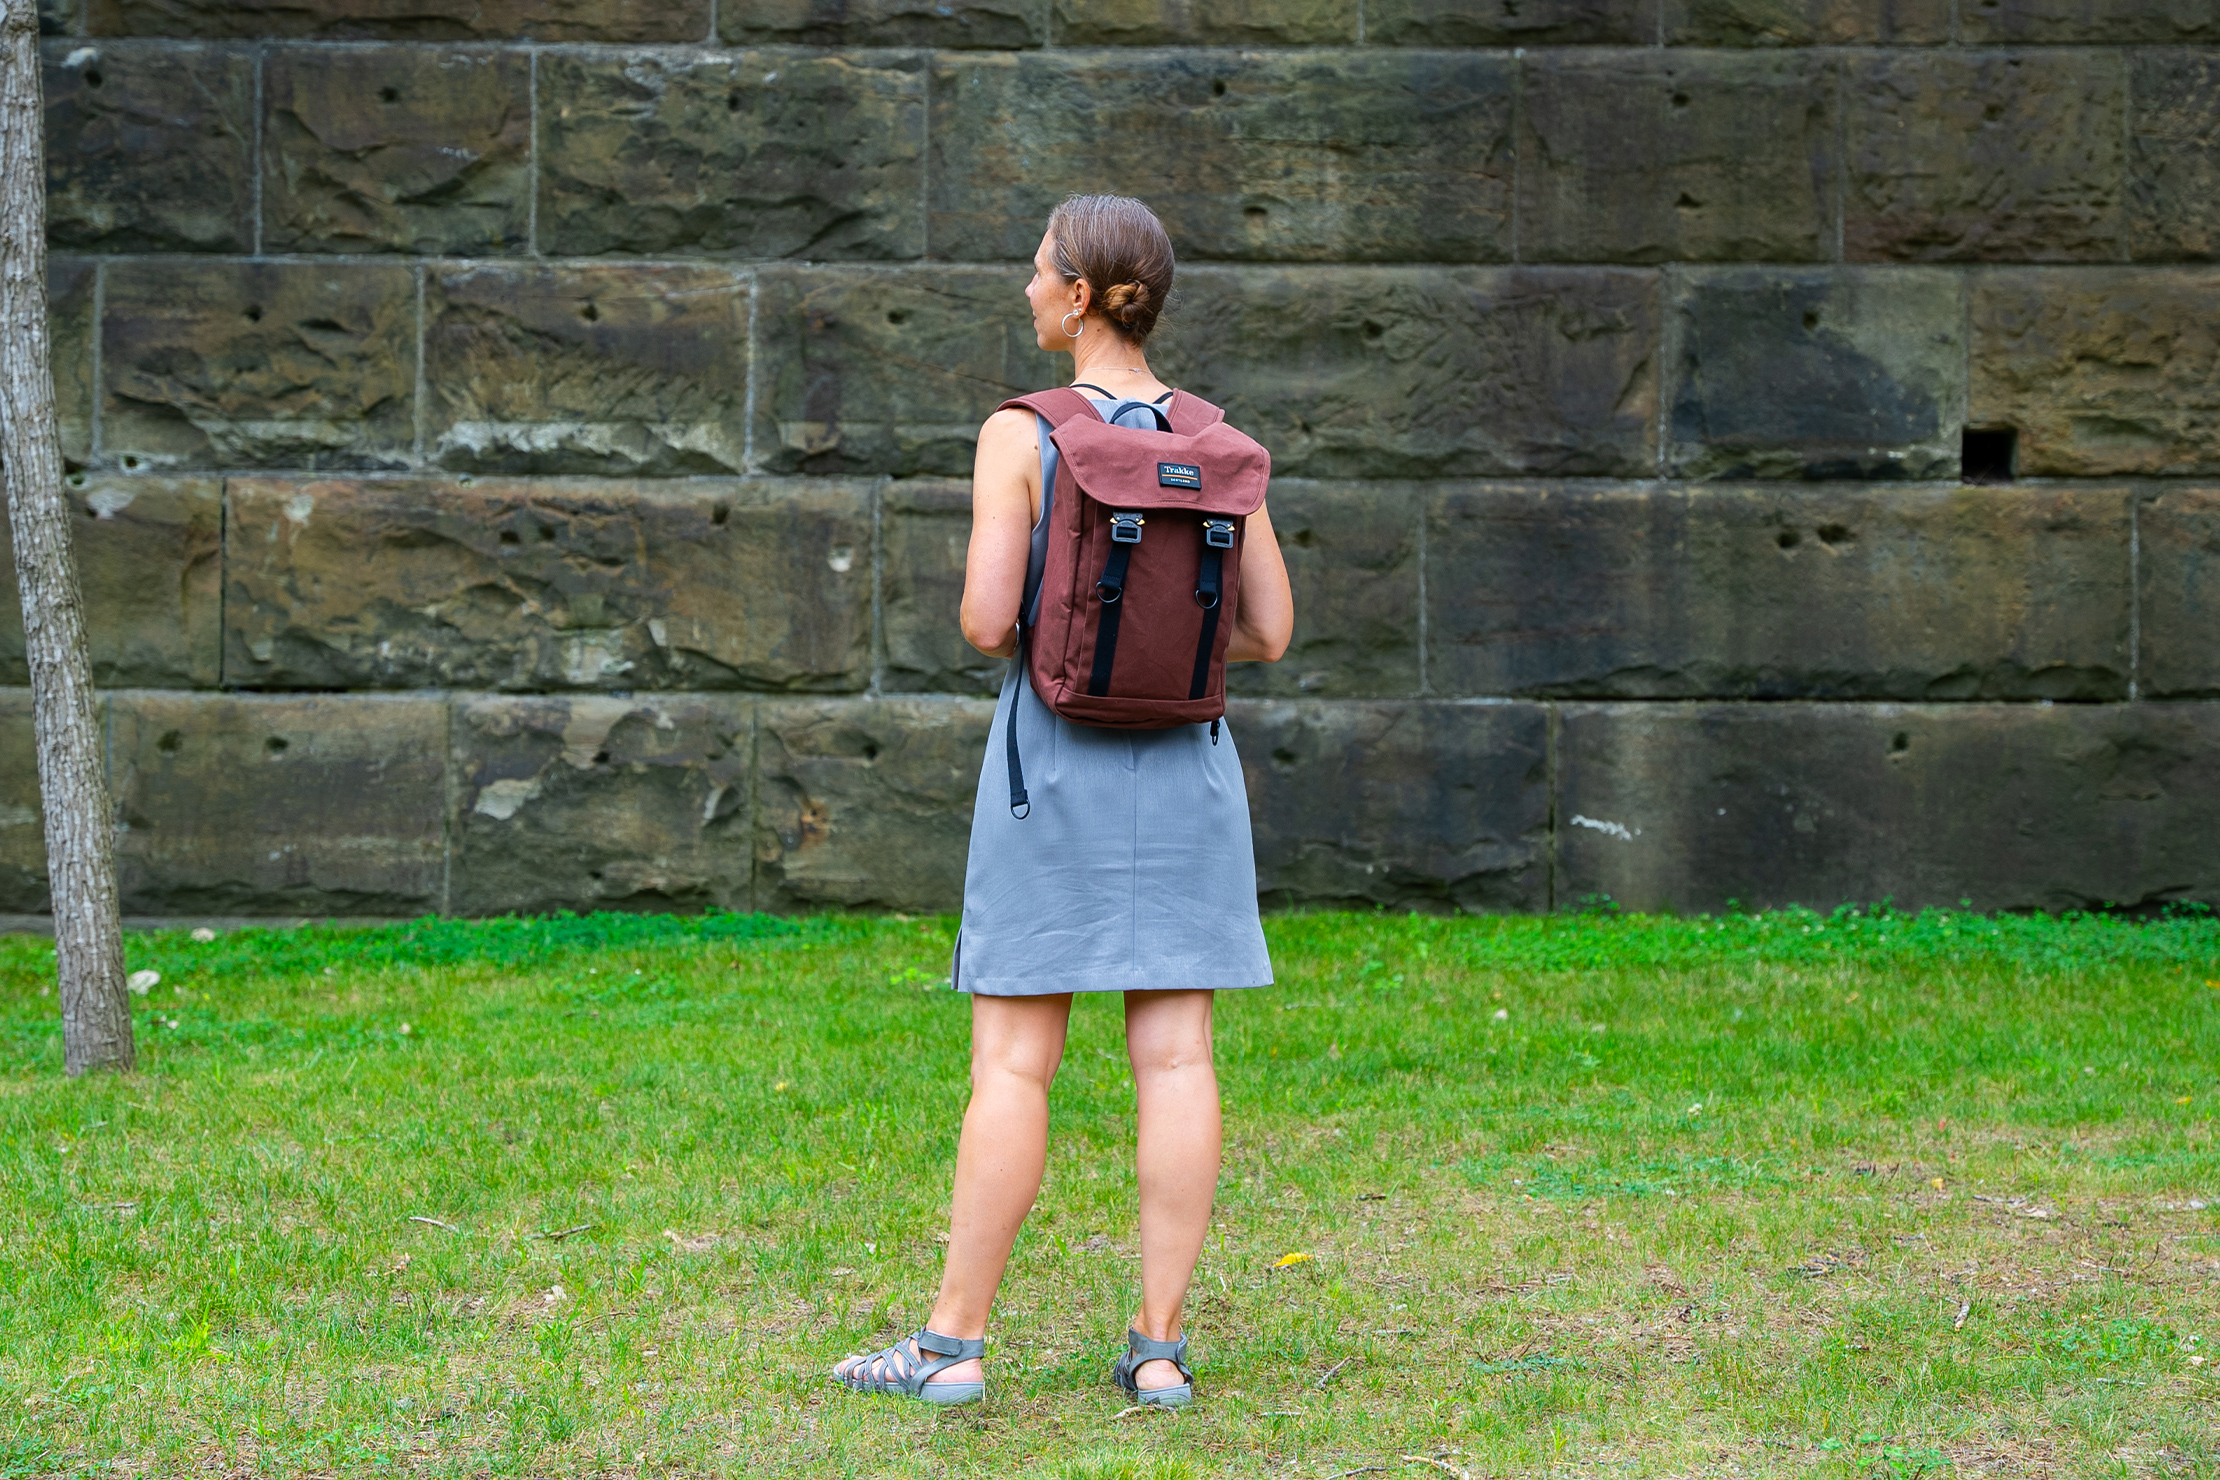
column 1214, row 471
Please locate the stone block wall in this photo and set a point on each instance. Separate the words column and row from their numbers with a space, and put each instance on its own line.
column 1759, row 450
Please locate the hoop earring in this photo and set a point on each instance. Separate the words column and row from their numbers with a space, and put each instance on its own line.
column 1069, row 331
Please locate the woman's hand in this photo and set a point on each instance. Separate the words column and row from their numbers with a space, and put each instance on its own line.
column 1264, row 614
column 1005, row 491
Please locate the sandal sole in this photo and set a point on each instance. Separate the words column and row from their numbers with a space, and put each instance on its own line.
column 948, row 1394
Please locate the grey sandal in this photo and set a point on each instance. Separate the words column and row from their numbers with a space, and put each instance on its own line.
column 1139, row 1349
column 894, row 1369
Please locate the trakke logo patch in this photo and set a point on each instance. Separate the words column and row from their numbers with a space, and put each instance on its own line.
column 1178, row 475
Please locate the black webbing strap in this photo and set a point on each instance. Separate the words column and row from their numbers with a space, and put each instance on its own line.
column 1206, row 596
column 1111, row 590
column 1020, row 806
column 1082, row 385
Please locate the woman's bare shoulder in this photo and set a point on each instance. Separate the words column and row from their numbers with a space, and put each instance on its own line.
column 1012, row 427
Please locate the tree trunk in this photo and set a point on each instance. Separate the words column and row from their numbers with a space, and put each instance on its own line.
column 80, row 861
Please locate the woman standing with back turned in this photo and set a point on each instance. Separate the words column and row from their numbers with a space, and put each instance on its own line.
column 1131, row 871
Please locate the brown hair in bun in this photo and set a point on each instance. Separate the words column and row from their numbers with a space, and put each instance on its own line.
column 1119, row 247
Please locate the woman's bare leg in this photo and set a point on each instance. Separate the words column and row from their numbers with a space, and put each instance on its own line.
column 1167, row 1037
column 1016, row 1044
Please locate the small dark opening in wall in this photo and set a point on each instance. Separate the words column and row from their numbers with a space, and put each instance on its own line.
column 1986, row 455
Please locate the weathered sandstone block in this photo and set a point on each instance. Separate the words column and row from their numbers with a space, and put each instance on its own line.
column 1350, row 372
column 589, row 802
column 2102, row 371
column 617, row 369
column 22, row 825
column 1375, row 155
column 1425, row 805
column 764, row 154
column 148, row 147
column 1206, row 22
column 148, row 556
column 926, row 529
column 1674, row 156
column 69, row 333
column 508, row 585
column 258, row 364
column 408, row 20
column 1523, row 22
column 2009, row 806
column 395, row 148
column 866, row 803
column 325, row 805
column 1415, row 372
column 884, row 22
column 1352, row 559
column 2173, row 204
column 2180, row 580
column 1816, row 373
column 1984, row 157
column 1784, row 592
column 888, row 372
column 2083, row 22
column 1807, row 22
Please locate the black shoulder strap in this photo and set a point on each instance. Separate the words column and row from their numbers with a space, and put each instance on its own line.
column 1083, row 385
column 1021, row 806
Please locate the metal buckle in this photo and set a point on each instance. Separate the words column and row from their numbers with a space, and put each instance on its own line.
column 1218, row 533
column 1125, row 529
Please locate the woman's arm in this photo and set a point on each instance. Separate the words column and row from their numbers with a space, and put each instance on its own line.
column 1264, row 616
column 1005, row 478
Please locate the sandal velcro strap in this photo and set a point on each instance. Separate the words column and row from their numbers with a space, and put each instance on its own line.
column 1146, row 1349
column 955, row 1348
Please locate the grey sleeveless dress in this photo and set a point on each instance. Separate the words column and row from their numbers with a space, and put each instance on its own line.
column 1133, row 871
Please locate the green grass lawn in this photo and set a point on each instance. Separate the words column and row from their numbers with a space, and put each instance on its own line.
column 1777, row 1195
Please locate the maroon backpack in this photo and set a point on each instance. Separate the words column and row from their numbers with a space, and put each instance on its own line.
column 1128, row 625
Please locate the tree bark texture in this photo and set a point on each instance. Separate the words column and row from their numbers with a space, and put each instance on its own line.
column 73, row 785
